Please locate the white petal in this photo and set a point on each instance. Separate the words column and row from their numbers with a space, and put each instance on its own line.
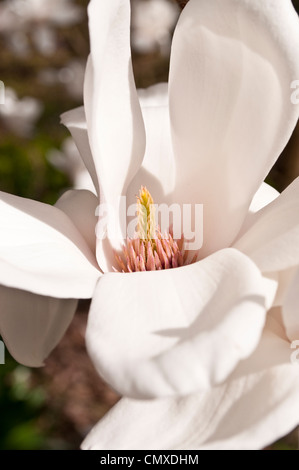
column 114, row 119
column 285, row 279
column 163, row 333
column 42, row 251
column 272, row 351
column 75, row 121
column 264, row 195
column 249, row 412
column 157, row 172
column 262, row 198
column 232, row 64
column 80, row 206
column 32, row 325
column 272, row 241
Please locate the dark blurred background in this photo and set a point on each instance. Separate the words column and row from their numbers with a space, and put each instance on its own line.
column 44, row 46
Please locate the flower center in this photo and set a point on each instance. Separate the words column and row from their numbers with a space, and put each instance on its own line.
column 150, row 250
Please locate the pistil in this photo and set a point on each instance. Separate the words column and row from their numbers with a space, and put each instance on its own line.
column 150, row 250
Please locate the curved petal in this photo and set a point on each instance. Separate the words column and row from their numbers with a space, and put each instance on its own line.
column 157, row 172
column 272, row 351
column 75, row 121
column 232, row 64
column 42, row 251
column 32, row 325
column 162, row 333
column 264, row 195
column 114, row 119
column 248, row 412
column 272, row 241
column 81, row 206
column 285, row 279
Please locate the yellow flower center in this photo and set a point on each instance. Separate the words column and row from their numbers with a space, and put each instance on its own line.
column 146, row 229
column 150, row 250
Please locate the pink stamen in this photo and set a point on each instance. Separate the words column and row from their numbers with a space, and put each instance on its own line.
column 151, row 255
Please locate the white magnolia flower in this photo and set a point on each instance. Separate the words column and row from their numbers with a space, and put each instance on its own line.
column 20, row 115
column 195, row 332
column 152, row 24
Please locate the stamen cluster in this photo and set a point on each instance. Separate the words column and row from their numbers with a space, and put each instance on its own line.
column 150, row 250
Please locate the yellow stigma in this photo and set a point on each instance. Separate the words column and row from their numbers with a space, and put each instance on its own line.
column 146, row 228
column 149, row 250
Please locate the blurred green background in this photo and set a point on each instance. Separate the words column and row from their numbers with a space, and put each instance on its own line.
column 54, row 407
